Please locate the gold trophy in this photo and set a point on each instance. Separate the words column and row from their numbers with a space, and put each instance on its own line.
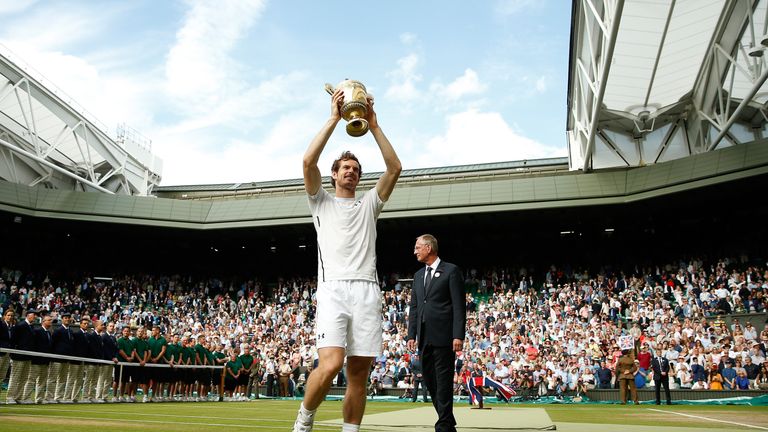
column 355, row 106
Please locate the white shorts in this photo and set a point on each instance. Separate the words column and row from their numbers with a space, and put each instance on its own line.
column 349, row 316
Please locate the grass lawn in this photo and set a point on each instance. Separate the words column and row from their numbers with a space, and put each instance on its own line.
column 273, row 415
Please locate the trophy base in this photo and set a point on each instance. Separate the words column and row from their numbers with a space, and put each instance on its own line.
column 357, row 127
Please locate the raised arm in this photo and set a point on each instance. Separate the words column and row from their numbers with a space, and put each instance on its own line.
column 387, row 181
column 312, row 177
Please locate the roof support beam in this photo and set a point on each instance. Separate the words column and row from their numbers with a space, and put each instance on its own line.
column 54, row 167
column 605, row 62
column 744, row 102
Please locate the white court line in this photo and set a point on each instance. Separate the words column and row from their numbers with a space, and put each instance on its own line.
column 710, row 419
column 122, row 420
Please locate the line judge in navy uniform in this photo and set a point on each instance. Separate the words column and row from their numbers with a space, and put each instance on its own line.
column 437, row 321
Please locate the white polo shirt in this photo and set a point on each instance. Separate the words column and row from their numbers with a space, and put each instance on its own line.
column 346, row 235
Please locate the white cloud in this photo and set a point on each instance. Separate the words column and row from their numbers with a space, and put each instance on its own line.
column 57, row 26
column 541, row 84
column 198, row 69
column 478, row 137
column 465, row 85
column 403, row 80
column 107, row 99
column 408, row 38
column 208, row 156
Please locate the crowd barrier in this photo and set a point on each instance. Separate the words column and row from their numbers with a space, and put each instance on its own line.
column 52, row 378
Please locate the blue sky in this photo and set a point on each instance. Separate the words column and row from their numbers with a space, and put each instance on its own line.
column 232, row 91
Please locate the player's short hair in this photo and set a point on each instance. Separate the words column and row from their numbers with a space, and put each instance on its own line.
column 346, row 155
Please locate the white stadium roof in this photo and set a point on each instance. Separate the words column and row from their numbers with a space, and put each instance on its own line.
column 656, row 80
column 46, row 139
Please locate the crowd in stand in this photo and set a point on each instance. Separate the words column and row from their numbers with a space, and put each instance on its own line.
column 551, row 333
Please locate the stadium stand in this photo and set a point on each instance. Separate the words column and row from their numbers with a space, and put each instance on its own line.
column 553, row 334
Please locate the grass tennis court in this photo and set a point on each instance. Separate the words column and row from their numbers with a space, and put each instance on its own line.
column 278, row 415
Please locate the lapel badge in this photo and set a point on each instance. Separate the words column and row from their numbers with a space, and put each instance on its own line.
column 437, row 274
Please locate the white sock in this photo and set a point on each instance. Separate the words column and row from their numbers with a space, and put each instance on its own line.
column 306, row 413
column 349, row 427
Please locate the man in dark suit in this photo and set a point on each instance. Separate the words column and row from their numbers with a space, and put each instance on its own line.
column 91, row 370
column 109, row 342
column 38, row 375
column 6, row 323
column 418, row 378
column 58, row 370
column 76, row 367
column 22, row 338
column 437, row 320
column 660, row 366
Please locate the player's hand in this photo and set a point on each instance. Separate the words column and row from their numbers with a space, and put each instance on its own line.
column 373, row 122
column 336, row 100
column 411, row 344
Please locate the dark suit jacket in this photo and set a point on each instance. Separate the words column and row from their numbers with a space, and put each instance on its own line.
column 95, row 345
column 659, row 365
column 43, row 344
column 5, row 335
column 22, row 339
column 62, row 344
column 79, row 345
column 109, row 342
column 441, row 306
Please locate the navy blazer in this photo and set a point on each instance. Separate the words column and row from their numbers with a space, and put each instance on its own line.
column 22, row 339
column 62, row 342
column 441, row 307
column 79, row 345
column 5, row 335
column 109, row 342
column 659, row 367
column 43, row 344
column 95, row 345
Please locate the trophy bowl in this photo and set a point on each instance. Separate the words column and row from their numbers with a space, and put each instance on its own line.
column 354, row 109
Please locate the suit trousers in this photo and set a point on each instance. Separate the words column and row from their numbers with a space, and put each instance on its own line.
column 657, row 383
column 104, row 383
column 623, row 385
column 438, row 376
column 36, row 383
column 419, row 382
column 57, row 381
column 74, row 382
column 90, row 378
column 19, row 376
column 5, row 364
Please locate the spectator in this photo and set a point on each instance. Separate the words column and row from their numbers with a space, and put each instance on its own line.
column 742, row 382
column 729, row 376
column 761, row 381
column 715, row 379
column 604, row 376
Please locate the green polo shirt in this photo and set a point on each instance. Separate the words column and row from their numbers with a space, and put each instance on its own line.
column 156, row 345
column 234, row 366
column 246, row 360
column 125, row 345
column 187, row 354
column 200, row 350
column 141, row 346
column 171, row 352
